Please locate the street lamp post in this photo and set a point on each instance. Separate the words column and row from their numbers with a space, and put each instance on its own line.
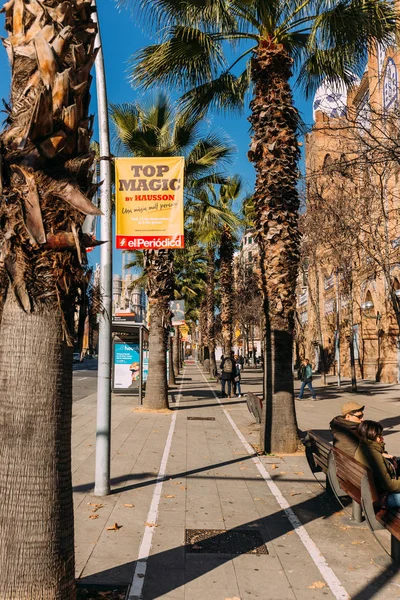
column 339, row 380
column 103, row 430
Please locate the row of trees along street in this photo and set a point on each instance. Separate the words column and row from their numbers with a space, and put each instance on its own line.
column 356, row 242
column 46, row 190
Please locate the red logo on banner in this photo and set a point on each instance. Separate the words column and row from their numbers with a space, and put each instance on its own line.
column 154, row 242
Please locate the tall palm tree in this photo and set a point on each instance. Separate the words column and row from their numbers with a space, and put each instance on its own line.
column 228, row 193
column 45, row 193
column 269, row 40
column 157, row 129
column 215, row 224
column 190, row 283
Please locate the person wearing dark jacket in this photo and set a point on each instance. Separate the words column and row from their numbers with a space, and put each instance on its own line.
column 306, row 378
column 371, row 453
column 228, row 373
column 344, row 427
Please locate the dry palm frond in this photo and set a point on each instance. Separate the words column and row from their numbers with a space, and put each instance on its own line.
column 46, row 167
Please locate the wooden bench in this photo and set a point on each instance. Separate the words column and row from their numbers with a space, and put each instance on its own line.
column 346, row 476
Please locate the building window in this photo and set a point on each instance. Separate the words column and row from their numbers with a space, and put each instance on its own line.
column 328, row 282
column 250, row 257
column 390, row 85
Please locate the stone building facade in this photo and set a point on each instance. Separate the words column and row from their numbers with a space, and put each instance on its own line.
column 348, row 311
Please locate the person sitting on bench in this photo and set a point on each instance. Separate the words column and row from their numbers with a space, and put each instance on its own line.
column 344, row 427
column 371, row 453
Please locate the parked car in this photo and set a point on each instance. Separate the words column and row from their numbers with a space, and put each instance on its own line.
column 76, row 357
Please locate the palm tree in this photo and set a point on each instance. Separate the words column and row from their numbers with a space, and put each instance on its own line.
column 159, row 130
column 46, row 192
column 316, row 39
column 190, row 283
column 214, row 222
column 228, row 194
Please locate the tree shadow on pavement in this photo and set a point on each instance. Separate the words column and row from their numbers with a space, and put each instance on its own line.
column 86, row 487
column 170, row 569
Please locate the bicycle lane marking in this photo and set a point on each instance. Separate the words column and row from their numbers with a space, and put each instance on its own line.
column 327, row 573
column 139, row 575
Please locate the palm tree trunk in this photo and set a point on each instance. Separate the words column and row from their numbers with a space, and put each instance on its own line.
column 45, row 177
column 275, row 153
column 211, row 308
column 226, row 282
column 156, row 396
column 204, row 330
column 176, row 351
column 171, row 370
column 158, row 266
column 36, row 511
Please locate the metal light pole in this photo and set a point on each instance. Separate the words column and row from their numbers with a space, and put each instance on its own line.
column 103, row 431
column 339, row 380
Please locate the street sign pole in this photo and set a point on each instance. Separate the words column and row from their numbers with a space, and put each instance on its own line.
column 103, row 431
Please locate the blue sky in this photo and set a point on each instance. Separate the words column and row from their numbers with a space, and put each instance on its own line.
column 121, row 36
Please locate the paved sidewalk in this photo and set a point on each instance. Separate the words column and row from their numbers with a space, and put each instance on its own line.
column 216, row 485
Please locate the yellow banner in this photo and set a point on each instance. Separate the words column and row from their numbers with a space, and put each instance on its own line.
column 149, row 203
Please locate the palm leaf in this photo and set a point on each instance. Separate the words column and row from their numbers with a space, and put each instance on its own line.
column 189, row 55
column 226, row 92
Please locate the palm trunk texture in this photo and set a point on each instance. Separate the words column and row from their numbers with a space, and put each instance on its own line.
column 275, row 153
column 45, row 193
column 158, row 266
column 226, row 283
column 211, row 309
column 175, row 355
column 36, row 510
column 204, row 331
column 171, row 370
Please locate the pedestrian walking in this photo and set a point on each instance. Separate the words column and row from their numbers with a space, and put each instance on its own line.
column 305, row 375
column 238, row 378
column 228, row 373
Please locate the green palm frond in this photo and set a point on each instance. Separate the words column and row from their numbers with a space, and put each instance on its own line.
column 161, row 13
column 188, row 55
column 325, row 38
column 227, row 92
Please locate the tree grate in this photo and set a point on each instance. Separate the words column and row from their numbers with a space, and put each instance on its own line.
column 201, row 418
column 220, row 541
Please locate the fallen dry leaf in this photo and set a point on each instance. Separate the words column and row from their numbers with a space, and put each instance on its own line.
column 290, row 532
column 298, row 473
column 274, row 466
column 317, row 585
column 93, row 516
column 182, row 487
column 115, row 527
column 151, row 524
column 356, row 543
column 344, row 527
column 129, row 505
column 177, row 483
column 282, row 472
column 233, row 598
column 295, row 494
column 96, row 507
column 88, row 445
column 170, row 496
column 257, row 498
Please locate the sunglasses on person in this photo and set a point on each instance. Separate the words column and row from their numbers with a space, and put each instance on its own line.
column 358, row 414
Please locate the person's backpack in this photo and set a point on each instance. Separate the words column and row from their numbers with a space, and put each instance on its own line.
column 228, row 366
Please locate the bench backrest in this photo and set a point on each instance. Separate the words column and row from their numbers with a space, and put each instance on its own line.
column 350, row 474
column 317, row 452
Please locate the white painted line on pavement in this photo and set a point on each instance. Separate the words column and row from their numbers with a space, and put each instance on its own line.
column 333, row 582
column 138, row 579
column 82, row 378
